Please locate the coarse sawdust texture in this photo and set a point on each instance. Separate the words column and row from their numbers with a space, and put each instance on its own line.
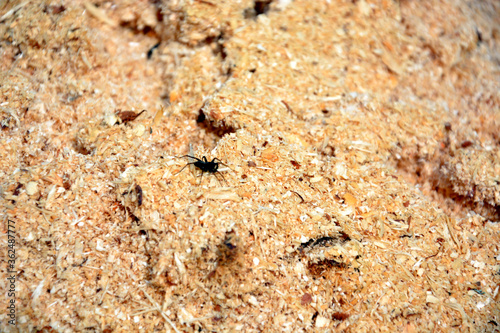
column 358, row 187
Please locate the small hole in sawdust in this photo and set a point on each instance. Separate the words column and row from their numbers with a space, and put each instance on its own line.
column 218, row 130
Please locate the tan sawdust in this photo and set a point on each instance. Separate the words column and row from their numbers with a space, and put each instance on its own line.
column 360, row 189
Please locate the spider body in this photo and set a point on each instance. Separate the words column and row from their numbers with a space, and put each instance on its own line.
column 205, row 166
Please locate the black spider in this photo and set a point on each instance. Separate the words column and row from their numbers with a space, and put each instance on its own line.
column 206, row 166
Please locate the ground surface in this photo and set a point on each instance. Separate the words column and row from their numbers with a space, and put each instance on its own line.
column 361, row 185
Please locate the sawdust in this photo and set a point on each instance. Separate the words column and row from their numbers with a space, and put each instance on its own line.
column 360, row 151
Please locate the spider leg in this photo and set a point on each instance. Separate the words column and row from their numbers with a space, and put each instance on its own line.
column 184, row 167
column 215, row 175
column 221, row 176
column 201, row 177
column 220, row 162
column 194, row 158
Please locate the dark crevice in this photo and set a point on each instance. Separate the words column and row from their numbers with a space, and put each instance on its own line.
column 134, row 27
column 149, row 54
column 219, row 128
column 260, row 7
column 80, row 148
column 320, row 267
column 324, row 241
column 215, row 40
column 436, row 184
column 308, row 251
column 340, row 316
column 228, row 250
column 146, row 30
column 313, row 318
column 217, row 44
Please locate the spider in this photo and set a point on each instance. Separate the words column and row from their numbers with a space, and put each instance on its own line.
column 206, row 166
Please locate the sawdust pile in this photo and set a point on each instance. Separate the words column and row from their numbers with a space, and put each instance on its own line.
column 358, row 187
